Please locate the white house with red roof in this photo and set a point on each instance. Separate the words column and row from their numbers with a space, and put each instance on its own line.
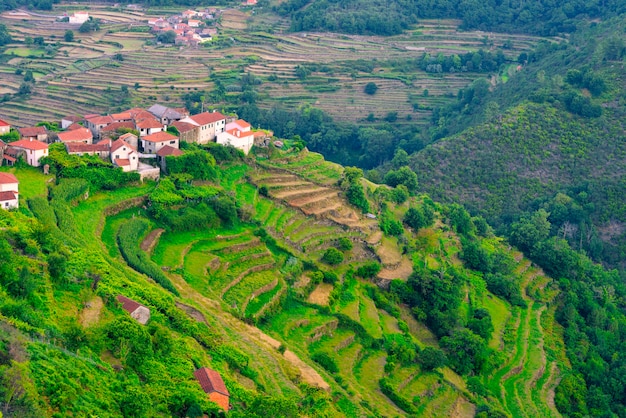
column 34, row 150
column 210, row 124
column 80, row 135
column 148, row 125
column 9, row 191
column 124, row 156
column 78, row 18
column 151, row 144
column 5, row 127
column 242, row 140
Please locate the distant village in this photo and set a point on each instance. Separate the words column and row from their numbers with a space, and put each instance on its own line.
column 130, row 140
column 191, row 27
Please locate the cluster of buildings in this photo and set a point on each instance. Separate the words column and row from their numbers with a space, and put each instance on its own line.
column 128, row 139
column 190, row 26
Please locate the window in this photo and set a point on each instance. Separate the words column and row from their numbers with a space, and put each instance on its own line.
column 172, row 142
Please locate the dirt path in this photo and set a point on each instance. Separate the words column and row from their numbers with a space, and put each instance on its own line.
column 151, row 240
column 91, row 314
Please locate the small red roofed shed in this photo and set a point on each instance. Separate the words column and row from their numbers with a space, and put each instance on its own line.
column 212, row 383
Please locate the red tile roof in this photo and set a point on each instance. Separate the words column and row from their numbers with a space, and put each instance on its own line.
column 122, row 162
column 29, row 144
column 74, row 126
column 4, row 123
column 33, row 131
column 167, row 150
column 211, row 381
column 118, row 125
column 127, row 135
column 4, row 196
column 72, row 147
column 119, row 143
column 128, row 305
column 240, row 134
column 7, row 178
column 100, row 120
column 9, row 158
column 183, row 127
column 159, row 137
column 149, row 124
column 207, row 117
column 121, row 116
column 77, row 135
column 73, row 118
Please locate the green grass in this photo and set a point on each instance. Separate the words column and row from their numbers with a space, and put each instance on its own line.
column 258, row 302
column 369, row 317
column 32, row 182
column 25, row 52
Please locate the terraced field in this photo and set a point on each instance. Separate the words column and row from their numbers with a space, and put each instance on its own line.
column 523, row 382
column 88, row 68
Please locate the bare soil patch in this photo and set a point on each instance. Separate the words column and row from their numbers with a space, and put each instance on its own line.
column 403, row 271
column 150, row 241
column 91, row 314
column 321, row 294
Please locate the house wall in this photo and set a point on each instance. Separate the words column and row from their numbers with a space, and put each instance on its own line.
column 141, row 314
column 4, row 129
column 33, row 156
column 153, row 147
column 189, row 136
column 243, row 143
column 9, row 187
column 208, row 132
column 9, row 204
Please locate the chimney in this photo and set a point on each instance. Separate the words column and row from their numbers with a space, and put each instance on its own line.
column 238, row 133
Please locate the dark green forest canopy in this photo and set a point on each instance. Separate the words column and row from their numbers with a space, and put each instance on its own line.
column 542, row 17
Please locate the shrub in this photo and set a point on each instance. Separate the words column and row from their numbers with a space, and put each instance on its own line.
column 326, row 361
column 368, row 270
column 370, row 88
column 332, row 256
column 432, row 358
column 344, row 244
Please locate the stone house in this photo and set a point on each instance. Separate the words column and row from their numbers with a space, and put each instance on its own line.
column 210, row 124
column 151, row 144
column 38, row 133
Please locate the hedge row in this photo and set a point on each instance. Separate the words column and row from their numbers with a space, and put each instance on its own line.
column 128, row 238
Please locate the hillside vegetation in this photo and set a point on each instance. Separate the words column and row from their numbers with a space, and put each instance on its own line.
column 256, row 296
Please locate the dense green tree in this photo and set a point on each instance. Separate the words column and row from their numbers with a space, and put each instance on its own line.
column 371, row 88
column 69, row 36
column 431, row 358
column 332, row 256
column 530, row 230
column 467, row 351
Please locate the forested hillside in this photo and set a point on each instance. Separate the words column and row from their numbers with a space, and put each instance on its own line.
column 379, row 17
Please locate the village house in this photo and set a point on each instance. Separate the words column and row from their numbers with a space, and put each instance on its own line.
column 5, row 127
column 74, row 126
column 68, row 121
column 81, row 135
column 210, row 124
column 9, row 191
column 187, row 132
column 148, row 126
column 122, row 117
column 38, row 133
column 102, row 149
column 97, row 123
column 136, row 310
column 167, row 115
column 151, row 144
column 11, row 154
column 78, row 18
column 193, row 23
column 124, row 156
column 111, row 130
column 242, row 140
column 188, row 14
column 130, row 139
column 165, row 152
column 33, row 150
column 213, row 385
